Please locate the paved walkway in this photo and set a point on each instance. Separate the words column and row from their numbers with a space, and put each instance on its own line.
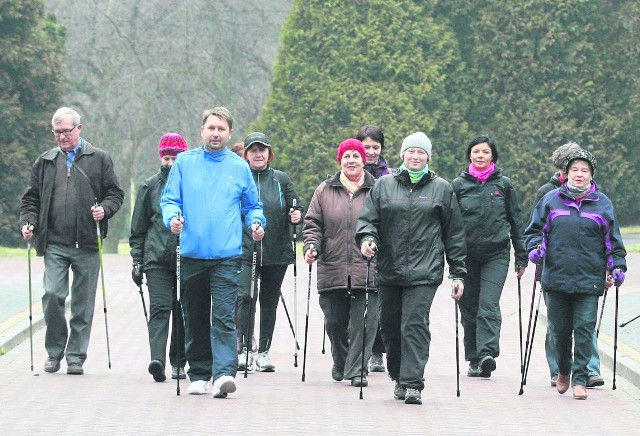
column 125, row 400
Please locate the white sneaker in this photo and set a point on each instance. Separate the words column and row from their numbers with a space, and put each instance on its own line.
column 198, row 387
column 263, row 363
column 242, row 360
column 223, row 385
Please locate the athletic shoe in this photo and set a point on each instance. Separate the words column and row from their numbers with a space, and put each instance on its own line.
column 594, row 381
column 399, row 392
column 52, row 365
column 337, row 373
column 242, row 360
column 263, row 363
column 358, row 381
column 223, row 385
column 156, row 369
column 412, row 396
column 487, row 366
column 474, row 369
column 376, row 363
column 178, row 372
column 198, row 387
column 554, row 380
column 75, row 369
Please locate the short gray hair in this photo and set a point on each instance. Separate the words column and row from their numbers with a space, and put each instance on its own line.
column 559, row 156
column 63, row 113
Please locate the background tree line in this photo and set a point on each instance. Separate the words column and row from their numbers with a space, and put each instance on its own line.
column 532, row 74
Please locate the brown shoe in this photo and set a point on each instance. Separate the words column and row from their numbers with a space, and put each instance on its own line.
column 579, row 392
column 562, row 384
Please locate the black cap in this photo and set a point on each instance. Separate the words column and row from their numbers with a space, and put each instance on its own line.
column 257, row 137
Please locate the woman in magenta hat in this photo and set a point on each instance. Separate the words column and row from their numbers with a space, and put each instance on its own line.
column 153, row 249
column 329, row 237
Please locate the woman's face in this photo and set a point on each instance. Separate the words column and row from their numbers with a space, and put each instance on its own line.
column 481, row 156
column 352, row 164
column 373, row 149
column 415, row 158
column 579, row 174
column 258, row 156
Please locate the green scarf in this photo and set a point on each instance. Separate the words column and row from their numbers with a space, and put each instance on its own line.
column 415, row 176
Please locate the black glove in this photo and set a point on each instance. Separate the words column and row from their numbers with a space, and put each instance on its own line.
column 136, row 274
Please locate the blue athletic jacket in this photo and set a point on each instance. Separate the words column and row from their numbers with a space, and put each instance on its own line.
column 581, row 241
column 212, row 191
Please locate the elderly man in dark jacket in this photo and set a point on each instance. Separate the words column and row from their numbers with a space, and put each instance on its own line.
column 72, row 187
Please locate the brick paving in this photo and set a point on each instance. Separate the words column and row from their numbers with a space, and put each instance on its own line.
column 125, row 400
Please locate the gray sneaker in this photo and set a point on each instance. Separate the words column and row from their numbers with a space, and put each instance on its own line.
column 412, row 396
column 52, row 365
column 242, row 360
column 399, row 392
column 75, row 369
column 263, row 363
column 376, row 363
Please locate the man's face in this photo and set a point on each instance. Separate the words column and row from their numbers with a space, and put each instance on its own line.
column 66, row 134
column 215, row 133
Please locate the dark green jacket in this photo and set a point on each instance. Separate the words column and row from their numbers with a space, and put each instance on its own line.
column 492, row 216
column 152, row 243
column 276, row 192
column 414, row 227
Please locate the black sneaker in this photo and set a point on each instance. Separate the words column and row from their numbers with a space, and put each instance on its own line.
column 487, row 366
column 52, row 365
column 358, row 381
column 412, row 396
column 156, row 369
column 75, row 369
column 178, row 372
column 474, row 369
column 337, row 373
column 595, row 381
column 399, row 392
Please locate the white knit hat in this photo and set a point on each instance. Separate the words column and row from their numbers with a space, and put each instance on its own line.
column 416, row 140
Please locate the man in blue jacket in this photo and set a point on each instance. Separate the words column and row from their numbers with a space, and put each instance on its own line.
column 208, row 190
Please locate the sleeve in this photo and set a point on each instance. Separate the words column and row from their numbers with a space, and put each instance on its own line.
column 171, row 199
column 112, row 193
column 313, row 223
column 369, row 221
column 140, row 223
column 514, row 214
column 30, row 205
column 454, row 237
column 250, row 201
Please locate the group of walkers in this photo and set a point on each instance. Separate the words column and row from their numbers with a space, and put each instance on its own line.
column 212, row 231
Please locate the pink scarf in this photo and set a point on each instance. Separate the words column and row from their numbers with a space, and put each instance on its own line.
column 482, row 175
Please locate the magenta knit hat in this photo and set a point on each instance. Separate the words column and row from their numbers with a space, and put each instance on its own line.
column 351, row 144
column 171, row 144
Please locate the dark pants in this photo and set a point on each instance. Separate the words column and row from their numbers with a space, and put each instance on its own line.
column 480, row 307
column 404, row 320
column 209, row 289
column 378, row 344
column 344, row 321
column 268, row 293
column 162, row 304
column 573, row 313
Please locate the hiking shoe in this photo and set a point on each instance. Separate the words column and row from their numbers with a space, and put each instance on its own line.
column 554, row 380
column 487, row 366
column 52, row 365
column 263, row 363
column 223, row 385
column 376, row 363
column 242, row 360
column 412, row 396
column 337, row 373
column 474, row 369
column 358, row 381
column 399, row 392
column 594, row 381
column 198, row 387
column 178, row 372
column 156, row 369
column 75, row 369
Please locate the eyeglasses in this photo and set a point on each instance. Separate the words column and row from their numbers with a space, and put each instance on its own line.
column 65, row 132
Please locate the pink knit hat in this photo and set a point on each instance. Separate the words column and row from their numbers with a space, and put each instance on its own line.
column 351, row 144
column 171, row 144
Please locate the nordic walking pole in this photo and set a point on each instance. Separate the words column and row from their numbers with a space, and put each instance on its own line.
column 295, row 293
column 520, row 324
column 104, row 292
column 178, row 307
column 247, row 335
column 144, row 306
column 526, row 346
column 604, row 300
column 306, row 323
column 528, row 354
column 324, row 337
column 30, row 300
column 364, row 318
column 286, row 311
column 458, row 352
column 631, row 320
column 615, row 340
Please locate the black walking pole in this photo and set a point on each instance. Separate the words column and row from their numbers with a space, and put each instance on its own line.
column 615, row 340
column 178, row 306
column 526, row 346
column 306, row 323
column 324, row 337
column 295, row 293
column 104, row 292
column 604, row 300
column 528, row 353
column 364, row 331
column 631, row 320
column 457, row 352
column 144, row 305
column 520, row 324
column 247, row 335
column 286, row 311
column 30, row 300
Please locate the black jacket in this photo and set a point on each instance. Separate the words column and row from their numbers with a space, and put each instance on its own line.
column 492, row 216
column 414, row 227
column 152, row 243
column 93, row 176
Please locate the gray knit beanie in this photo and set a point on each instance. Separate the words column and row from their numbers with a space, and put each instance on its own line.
column 416, row 140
